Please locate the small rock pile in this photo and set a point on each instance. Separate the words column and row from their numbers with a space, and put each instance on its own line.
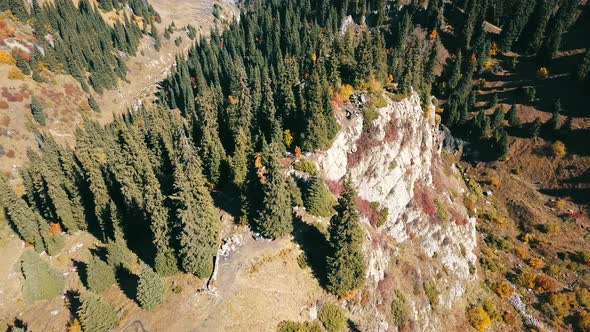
column 231, row 244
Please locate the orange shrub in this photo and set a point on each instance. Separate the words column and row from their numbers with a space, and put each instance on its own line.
column 297, row 152
column 504, row 289
column 54, row 228
column 7, row 58
column 547, row 284
column 536, row 263
column 495, row 182
column 522, row 251
column 433, row 35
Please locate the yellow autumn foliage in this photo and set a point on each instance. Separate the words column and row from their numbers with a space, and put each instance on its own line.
column 7, row 58
column 15, row 74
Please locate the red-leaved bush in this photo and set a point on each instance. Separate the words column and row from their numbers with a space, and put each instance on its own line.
column 336, row 187
column 365, row 143
column 367, row 210
column 457, row 217
column 391, row 132
column 424, row 200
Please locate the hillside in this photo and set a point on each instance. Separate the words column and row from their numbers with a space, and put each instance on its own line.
column 294, row 165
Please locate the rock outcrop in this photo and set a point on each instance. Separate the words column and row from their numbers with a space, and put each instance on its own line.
column 398, row 164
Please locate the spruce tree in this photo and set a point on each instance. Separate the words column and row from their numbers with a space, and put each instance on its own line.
column 198, row 221
column 274, row 218
column 119, row 256
column 22, row 64
column 455, row 71
column 318, row 199
column 494, row 101
column 497, row 118
column 150, row 289
column 25, row 221
column 37, row 111
column 95, row 314
column 535, row 128
column 100, row 275
column 502, row 145
column 41, row 280
column 346, row 264
column 512, row 116
column 93, row 104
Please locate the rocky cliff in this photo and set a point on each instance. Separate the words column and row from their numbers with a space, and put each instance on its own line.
column 425, row 247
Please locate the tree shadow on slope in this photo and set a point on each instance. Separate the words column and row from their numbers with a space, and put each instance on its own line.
column 82, row 270
column 315, row 247
column 128, row 283
column 73, row 301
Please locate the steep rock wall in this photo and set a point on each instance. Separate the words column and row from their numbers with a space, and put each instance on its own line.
column 397, row 163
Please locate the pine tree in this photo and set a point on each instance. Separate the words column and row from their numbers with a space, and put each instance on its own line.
column 25, row 221
column 494, row 101
column 455, row 71
column 559, row 26
column 17, row 7
column 150, row 289
column 274, row 218
column 100, row 275
column 156, row 36
column 497, row 118
column 318, row 199
column 541, row 19
column 119, row 256
column 198, row 221
column 95, row 314
column 535, row 128
column 502, row 145
column 346, row 264
column 22, row 64
column 37, row 111
column 513, row 28
column 41, row 280
column 93, row 104
column 512, row 116
column 553, row 123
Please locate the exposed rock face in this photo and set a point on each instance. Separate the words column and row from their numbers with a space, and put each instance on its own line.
column 398, row 164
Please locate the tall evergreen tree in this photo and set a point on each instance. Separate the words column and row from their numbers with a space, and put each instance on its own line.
column 318, row 199
column 95, row 314
column 535, row 128
column 346, row 264
column 37, row 111
column 512, row 116
column 274, row 217
column 26, row 221
column 41, row 280
column 198, row 220
column 99, row 274
column 150, row 289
